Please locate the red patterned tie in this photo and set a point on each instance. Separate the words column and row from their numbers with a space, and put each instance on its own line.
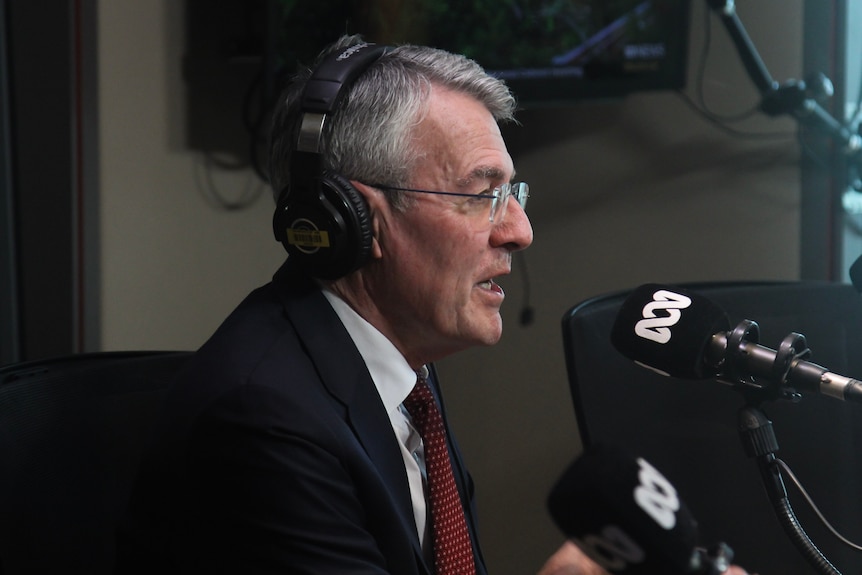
column 453, row 554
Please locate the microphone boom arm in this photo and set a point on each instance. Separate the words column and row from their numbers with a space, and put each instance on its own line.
column 794, row 98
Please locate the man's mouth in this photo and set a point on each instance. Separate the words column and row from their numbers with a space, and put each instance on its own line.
column 490, row 285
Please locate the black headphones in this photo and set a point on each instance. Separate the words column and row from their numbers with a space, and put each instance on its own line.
column 320, row 218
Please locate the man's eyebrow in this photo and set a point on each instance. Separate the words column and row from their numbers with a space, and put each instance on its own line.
column 483, row 173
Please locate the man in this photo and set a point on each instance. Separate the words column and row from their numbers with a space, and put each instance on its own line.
column 286, row 445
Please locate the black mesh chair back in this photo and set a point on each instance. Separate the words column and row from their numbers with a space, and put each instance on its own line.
column 688, row 430
column 71, row 435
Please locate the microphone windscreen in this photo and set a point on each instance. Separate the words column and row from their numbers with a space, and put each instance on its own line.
column 668, row 329
column 624, row 514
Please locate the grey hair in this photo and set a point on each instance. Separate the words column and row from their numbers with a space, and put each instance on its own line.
column 369, row 136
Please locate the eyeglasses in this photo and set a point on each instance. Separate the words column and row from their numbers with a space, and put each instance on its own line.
column 499, row 196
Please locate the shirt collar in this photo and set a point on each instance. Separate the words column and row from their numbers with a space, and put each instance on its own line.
column 392, row 375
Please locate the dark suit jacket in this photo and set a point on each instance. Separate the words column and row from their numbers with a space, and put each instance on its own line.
column 275, row 454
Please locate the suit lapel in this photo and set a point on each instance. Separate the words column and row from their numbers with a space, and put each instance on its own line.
column 347, row 380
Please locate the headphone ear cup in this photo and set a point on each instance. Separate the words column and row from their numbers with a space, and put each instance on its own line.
column 326, row 229
column 357, row 234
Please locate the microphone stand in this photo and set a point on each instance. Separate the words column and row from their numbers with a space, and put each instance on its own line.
column 795, row 97
column 757, row 434
column 758, row 439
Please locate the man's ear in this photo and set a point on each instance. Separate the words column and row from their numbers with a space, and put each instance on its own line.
column 378, row 210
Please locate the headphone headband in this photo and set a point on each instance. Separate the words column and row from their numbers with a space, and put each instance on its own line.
column 331, row 80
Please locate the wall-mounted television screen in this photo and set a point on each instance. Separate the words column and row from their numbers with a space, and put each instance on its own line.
column 548, row 51
column 239, row 52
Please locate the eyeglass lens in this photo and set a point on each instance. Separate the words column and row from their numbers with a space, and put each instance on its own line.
column 520, row 190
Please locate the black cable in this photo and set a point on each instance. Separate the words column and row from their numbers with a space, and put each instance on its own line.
column 206, row 184
column 699, row 84
column 702, row 108
column 718, row 123
column 527, row 312
column 813, row 506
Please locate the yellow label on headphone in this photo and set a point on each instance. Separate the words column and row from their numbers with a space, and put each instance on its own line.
column 304, row 238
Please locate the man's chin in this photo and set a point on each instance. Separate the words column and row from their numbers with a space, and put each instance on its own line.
column 491, row 331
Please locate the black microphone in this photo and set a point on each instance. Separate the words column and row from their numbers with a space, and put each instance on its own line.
column 681, row 334
column 628, row 518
